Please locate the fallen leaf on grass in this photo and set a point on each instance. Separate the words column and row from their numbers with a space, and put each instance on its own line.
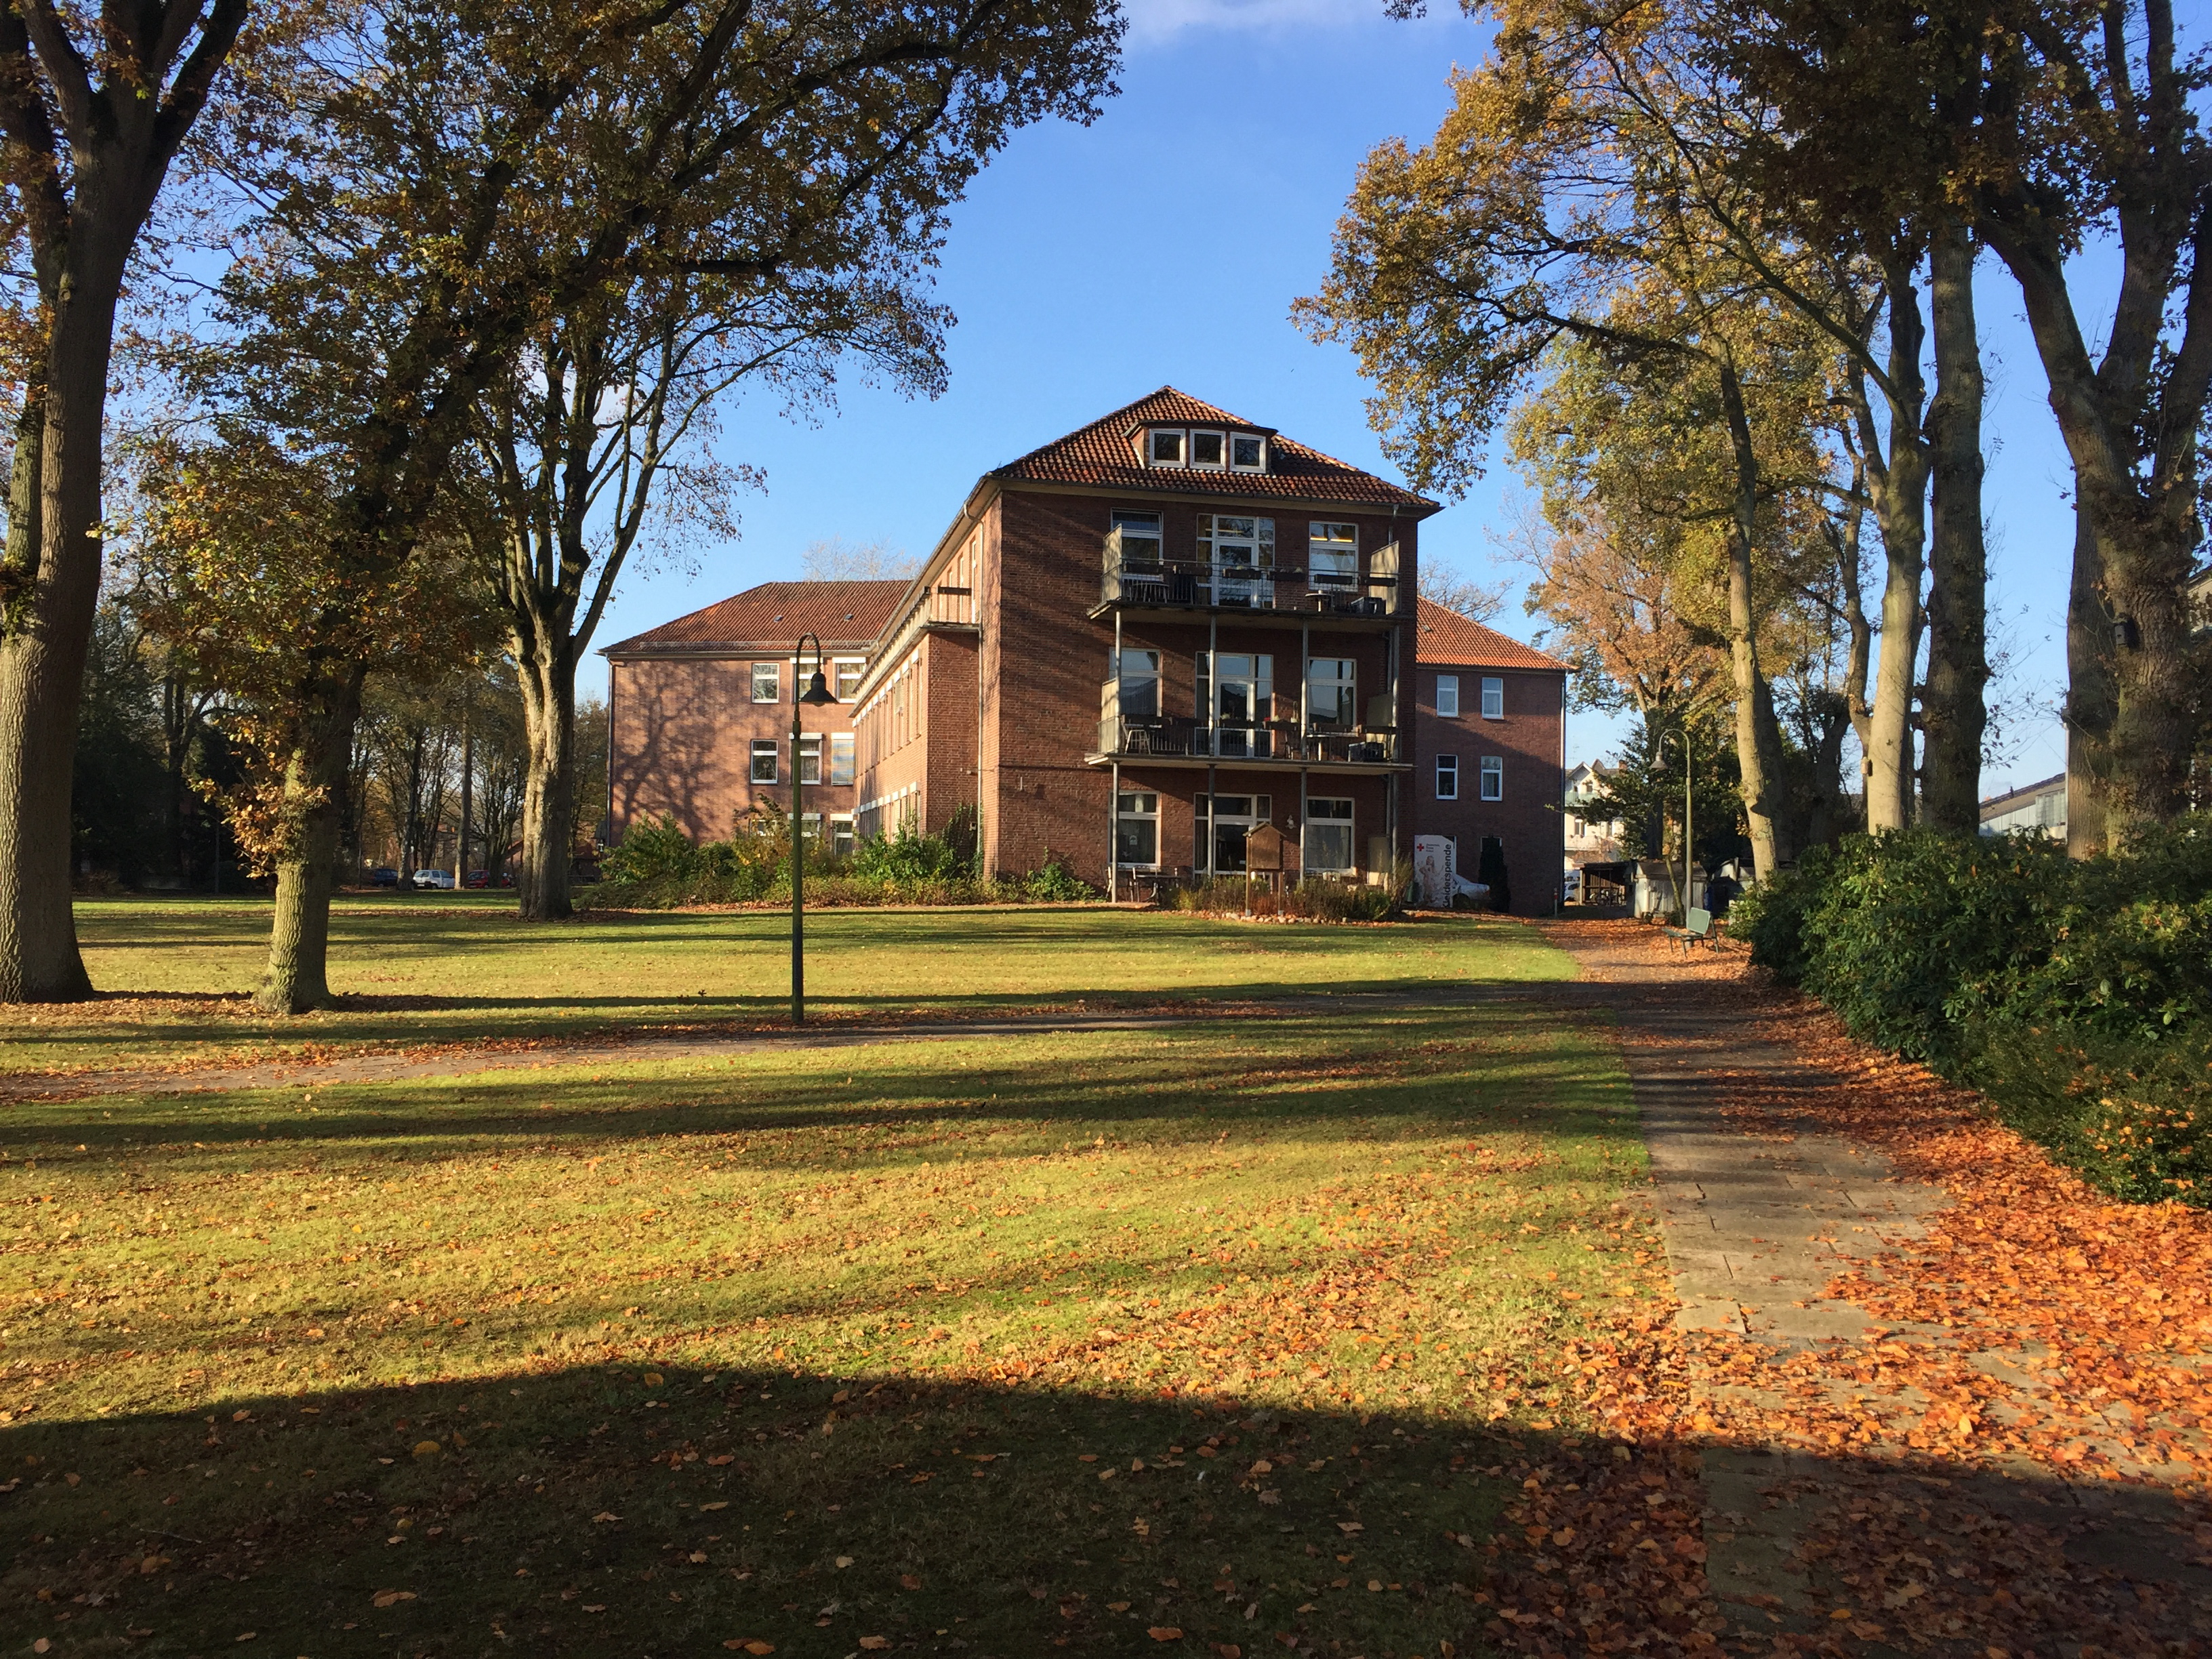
column 1165, row 1632
column 387, row 1598
column 606, row 1515
column 749, row 1646
column 875, row 1642
column 907, row 1581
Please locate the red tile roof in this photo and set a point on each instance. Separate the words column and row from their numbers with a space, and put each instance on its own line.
column 1458, row 641
column 1102, row 453
column 770, row 617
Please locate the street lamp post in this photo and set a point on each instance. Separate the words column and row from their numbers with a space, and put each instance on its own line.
column 1688, row 840
column 816, row 694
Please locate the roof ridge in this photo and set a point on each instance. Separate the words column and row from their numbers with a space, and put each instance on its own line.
column 1098, row 453
column 1113, row 413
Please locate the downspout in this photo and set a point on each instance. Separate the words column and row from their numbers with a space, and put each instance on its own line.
column 1113, row 799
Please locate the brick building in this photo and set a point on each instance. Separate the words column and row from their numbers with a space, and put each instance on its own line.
column 1137, row 644
column 699, row 709
column 1489, row 729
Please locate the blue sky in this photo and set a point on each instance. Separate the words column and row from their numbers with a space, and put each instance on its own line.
column 1164, row 246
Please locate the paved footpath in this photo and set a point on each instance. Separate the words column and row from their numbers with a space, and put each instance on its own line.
column 1756, row 1225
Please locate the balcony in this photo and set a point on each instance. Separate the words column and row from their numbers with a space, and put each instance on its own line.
column 1181, row 740
column 1136, row 579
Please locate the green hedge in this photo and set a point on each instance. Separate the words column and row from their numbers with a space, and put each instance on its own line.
column 2076, row 993
column 658, row 867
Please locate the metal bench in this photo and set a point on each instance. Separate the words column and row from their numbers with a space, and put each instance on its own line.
column 1699, row 929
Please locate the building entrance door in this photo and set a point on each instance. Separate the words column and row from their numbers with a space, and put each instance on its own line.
column 1237, row 697
column 1224, row 820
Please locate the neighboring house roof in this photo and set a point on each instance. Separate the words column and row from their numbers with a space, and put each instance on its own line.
column 1456, row 641
column 845, row 615
column 1997, row 806
column 1103, row 454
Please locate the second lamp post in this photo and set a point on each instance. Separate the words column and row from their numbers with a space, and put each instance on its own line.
column 1689, row 841
column 816, row 694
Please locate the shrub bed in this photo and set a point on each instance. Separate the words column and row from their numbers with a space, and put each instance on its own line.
column 1316, row 900
column 2076, row 993
column 658, row 867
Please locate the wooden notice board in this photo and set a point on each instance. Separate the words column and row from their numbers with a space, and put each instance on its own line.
column 1264, row 849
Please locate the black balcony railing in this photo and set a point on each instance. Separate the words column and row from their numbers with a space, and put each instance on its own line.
column 1174, row 737
column 1133, row 577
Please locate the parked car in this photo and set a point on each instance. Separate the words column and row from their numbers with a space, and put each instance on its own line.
column 426, row 878
column 384, row 876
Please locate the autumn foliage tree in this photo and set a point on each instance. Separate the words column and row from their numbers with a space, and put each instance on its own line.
column 599, row 441
column 2035, row 127
column 443, row 179
column 1567, row 205
column 94, row 105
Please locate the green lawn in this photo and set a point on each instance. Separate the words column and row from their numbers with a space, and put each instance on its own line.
column 994, row 1347
column 431, row 970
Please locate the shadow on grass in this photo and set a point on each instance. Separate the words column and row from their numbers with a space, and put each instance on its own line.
column 606, row 1508
column 1167, row 1085
column 378, row 1019
column 625, row 1505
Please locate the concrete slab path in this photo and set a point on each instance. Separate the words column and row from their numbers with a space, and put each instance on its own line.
column 1759, row 1219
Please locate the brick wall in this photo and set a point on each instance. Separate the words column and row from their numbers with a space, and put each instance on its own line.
column 916, row 737
column 1528, row 820
column 1044, row 662
column 682, row 731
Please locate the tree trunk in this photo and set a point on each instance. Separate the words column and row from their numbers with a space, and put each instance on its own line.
column 2146, row 549
column 298, row 977
column 2091, row 696
column 1901, row 490
column 54, row 589
column 1953, row 716
column 547, row 667
column 1758, row 732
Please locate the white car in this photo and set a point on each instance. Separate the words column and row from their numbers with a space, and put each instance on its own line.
column 434, row 877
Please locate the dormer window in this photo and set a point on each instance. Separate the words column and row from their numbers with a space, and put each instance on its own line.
column 1206, row 449
column 1163, row 446
column 1248, row 454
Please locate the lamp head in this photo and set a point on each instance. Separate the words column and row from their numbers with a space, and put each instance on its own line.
column 817, row 692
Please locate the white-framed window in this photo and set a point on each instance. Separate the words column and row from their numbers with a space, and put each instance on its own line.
column 1332, row 693
column 1137, row 828
column 1493, row 777
column 1448, row 696
column 763, row 766
column 846, row 673
column 1232, row 541
column 810, row 827
column 1332, row 555
column 768, row 682
column 841, row 757
column 810, row 757
column 1494, row 698
column 1163, row 446
column 842, row 837
column 1247, row 452
column 1137, row 685
column 1447, row 777
column 1141, row 537
column 1326, row 847
column 1209, row 450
